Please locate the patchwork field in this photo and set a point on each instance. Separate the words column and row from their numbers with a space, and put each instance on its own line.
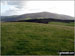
column 24, row 38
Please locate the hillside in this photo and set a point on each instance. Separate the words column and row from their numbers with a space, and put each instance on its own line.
column 39, row 15
column 27, row 38
column 45, row 20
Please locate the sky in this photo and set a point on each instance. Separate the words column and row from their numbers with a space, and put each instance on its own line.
column 18, row 7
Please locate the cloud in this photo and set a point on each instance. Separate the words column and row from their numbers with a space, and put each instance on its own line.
column 12, row 7
column 16, row 3
column 9, row 12
column 17, row 7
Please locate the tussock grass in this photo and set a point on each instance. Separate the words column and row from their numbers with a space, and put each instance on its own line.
column 24, row 38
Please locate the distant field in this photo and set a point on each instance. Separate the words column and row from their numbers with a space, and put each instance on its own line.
column 24, row 38
column 62, row 23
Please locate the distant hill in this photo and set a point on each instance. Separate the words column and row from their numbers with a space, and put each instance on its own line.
column 40, row 15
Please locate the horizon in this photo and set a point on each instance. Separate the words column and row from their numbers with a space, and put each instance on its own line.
column 40, row 12
column 10, row 8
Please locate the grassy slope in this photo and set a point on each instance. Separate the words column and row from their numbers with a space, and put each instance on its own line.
column 61, row 23
column 36, row 39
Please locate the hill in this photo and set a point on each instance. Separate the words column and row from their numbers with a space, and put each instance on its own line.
column 39, row 15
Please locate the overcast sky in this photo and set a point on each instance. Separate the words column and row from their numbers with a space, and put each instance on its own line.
column 11, row 7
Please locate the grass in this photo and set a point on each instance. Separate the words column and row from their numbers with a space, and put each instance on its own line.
column 62, row 23
column 24, row 38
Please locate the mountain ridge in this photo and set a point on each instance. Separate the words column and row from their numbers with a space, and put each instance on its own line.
column 36, row 16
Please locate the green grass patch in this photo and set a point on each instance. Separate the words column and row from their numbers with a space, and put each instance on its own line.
column 62, row 23
column 24, row 38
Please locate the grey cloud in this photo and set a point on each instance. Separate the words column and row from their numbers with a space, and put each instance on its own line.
column 16, row 3
column 9, row 12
